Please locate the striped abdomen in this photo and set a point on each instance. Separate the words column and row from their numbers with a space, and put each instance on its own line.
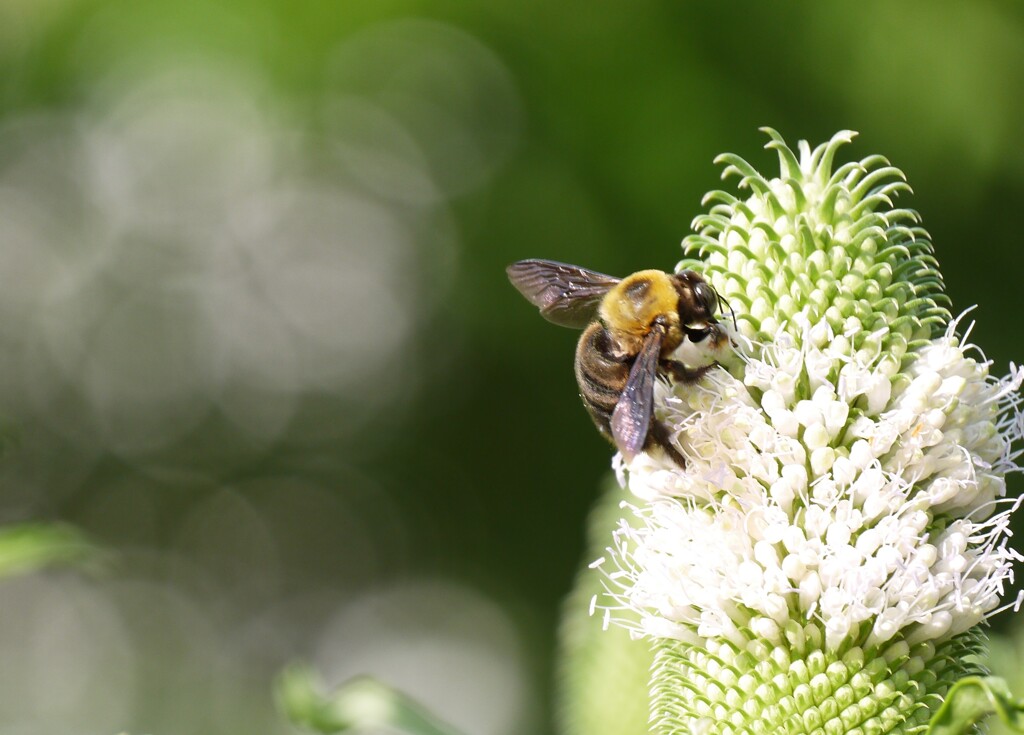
column 601, row 375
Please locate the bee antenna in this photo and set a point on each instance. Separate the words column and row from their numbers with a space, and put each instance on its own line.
column 731, row 312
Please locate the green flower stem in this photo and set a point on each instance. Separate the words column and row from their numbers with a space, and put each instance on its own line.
column 973, row 698
column 362, row 704
column 32, row 546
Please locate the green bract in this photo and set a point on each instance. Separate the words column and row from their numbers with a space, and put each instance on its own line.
column 826, row 244
column 789, row 689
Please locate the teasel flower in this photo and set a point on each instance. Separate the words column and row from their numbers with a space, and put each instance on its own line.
column 825, row 561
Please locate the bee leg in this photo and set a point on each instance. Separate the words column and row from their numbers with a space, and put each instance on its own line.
column 682, row 374
column 659, row 435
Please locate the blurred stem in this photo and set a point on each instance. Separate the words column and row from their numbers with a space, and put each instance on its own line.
column 602, row 672
column 361, row 703
column 28, row 547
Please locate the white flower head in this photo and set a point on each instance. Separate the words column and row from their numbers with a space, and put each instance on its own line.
column 844, row 499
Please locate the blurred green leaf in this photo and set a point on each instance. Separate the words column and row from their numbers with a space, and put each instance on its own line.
column 973, row 698
column 359, row 704
column 1005, row 652
column 31, row 546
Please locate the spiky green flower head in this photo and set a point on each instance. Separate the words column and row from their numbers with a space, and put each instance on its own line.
column 824, row 561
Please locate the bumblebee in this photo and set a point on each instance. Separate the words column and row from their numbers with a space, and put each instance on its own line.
column 631, row 326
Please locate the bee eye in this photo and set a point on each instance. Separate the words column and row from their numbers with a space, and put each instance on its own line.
column 706, row 297
column 697, row 335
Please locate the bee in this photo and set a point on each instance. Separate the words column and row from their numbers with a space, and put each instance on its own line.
column 631, row 326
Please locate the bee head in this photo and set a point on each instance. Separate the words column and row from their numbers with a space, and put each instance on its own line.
column 698, row 301
column 698, row 304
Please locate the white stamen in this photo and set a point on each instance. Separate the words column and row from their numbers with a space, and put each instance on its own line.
column 742, row 540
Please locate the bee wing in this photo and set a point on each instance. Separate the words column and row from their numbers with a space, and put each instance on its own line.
column 632, row 415
column 565, row 294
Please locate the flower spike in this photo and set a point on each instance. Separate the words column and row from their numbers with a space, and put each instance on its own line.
column 840, row 530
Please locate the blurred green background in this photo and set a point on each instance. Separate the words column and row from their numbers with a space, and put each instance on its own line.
column 256, row 336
